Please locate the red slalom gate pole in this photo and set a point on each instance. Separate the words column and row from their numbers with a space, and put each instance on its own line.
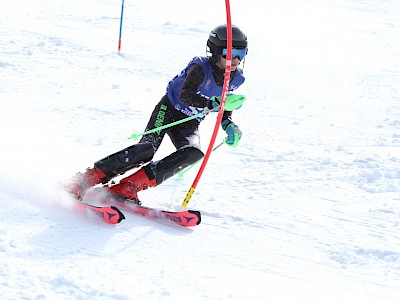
column 222, row 104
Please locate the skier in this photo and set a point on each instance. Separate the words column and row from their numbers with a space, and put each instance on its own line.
column 192, row 91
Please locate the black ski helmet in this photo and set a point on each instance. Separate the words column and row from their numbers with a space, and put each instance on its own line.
column 217, row 39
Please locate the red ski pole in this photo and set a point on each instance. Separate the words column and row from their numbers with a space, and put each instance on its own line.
column 222, row 104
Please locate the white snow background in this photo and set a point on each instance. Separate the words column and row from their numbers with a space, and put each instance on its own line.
column 307, row 207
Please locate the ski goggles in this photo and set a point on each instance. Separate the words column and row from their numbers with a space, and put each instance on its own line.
column 236, row 52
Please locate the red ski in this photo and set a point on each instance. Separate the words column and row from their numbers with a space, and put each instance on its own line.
column 109, row 214
column 187, row 218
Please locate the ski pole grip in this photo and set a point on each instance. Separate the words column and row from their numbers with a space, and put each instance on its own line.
column 234, row 102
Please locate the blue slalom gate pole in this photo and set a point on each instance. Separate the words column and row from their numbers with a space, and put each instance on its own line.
column 120, row 26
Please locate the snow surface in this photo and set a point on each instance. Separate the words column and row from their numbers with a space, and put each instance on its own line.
column 307, row 207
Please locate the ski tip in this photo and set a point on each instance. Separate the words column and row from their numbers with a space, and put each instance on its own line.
column 115, row 216
column 198, row 214
column 120, row 214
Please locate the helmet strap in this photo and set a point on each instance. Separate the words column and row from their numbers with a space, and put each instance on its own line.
column 242, row 62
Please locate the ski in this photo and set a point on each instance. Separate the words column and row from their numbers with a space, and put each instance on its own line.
column 109, row 211
column 187, row 218
column 110, row 214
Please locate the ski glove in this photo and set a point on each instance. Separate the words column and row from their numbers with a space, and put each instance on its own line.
column 213, row 104
column 233, row 132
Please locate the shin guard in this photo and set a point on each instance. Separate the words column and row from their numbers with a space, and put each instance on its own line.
column 124, row 160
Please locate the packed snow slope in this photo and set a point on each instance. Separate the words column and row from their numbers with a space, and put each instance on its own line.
column 307, row 207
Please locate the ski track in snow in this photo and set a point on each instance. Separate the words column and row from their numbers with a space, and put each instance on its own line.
column 307, row 207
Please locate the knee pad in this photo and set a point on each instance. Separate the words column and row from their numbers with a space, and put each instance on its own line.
column 124, row 160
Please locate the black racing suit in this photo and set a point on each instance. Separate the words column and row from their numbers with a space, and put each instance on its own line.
column 185, row 136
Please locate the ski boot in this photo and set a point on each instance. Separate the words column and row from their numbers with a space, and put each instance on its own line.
column 107, row 168
column 81, row 182
column 128, row 187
